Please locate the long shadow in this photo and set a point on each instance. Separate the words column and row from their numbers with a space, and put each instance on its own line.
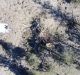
column 68, row 1
column 7, row 46
column 20, row 70
column 34, row 41
column 11, row 50
column 12, row 62
column 14, row 66
column 74, row 35
column 39, row 45
column 57, row 13
column 72, row 30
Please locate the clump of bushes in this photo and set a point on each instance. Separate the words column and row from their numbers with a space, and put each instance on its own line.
column 69, row 57
column 44, row 66
column 33, row 60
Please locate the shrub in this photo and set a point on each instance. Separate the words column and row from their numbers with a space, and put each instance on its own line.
column 44, row 66
column 68, row 57
column 33, row 60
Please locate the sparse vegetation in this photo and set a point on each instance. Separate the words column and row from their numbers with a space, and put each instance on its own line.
column 44, row 66
column 69, row 57
column 33, row 61
column 74, row 1
column 48, row 40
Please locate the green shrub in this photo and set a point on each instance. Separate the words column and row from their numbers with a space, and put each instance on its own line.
column 76, row 0
column 33, row 60
column 68, row 57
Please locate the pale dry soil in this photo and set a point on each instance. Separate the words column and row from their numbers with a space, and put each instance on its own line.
column 18, row 14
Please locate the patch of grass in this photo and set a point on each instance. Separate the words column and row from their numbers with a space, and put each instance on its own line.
column 33, row 60
column 68, row 57
column 76, row 1
column 44, row 73
column 45, row 66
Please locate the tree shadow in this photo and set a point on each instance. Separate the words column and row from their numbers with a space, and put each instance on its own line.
column 11, row 50
column 71, row 29
column 14, row 66
column 34, row 41
column 68, row 18
column 57, row 13
column 20, row 70
column 68, row 1
column 16, row 53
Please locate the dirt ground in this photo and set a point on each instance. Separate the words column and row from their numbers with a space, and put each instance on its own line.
column 18, row 15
